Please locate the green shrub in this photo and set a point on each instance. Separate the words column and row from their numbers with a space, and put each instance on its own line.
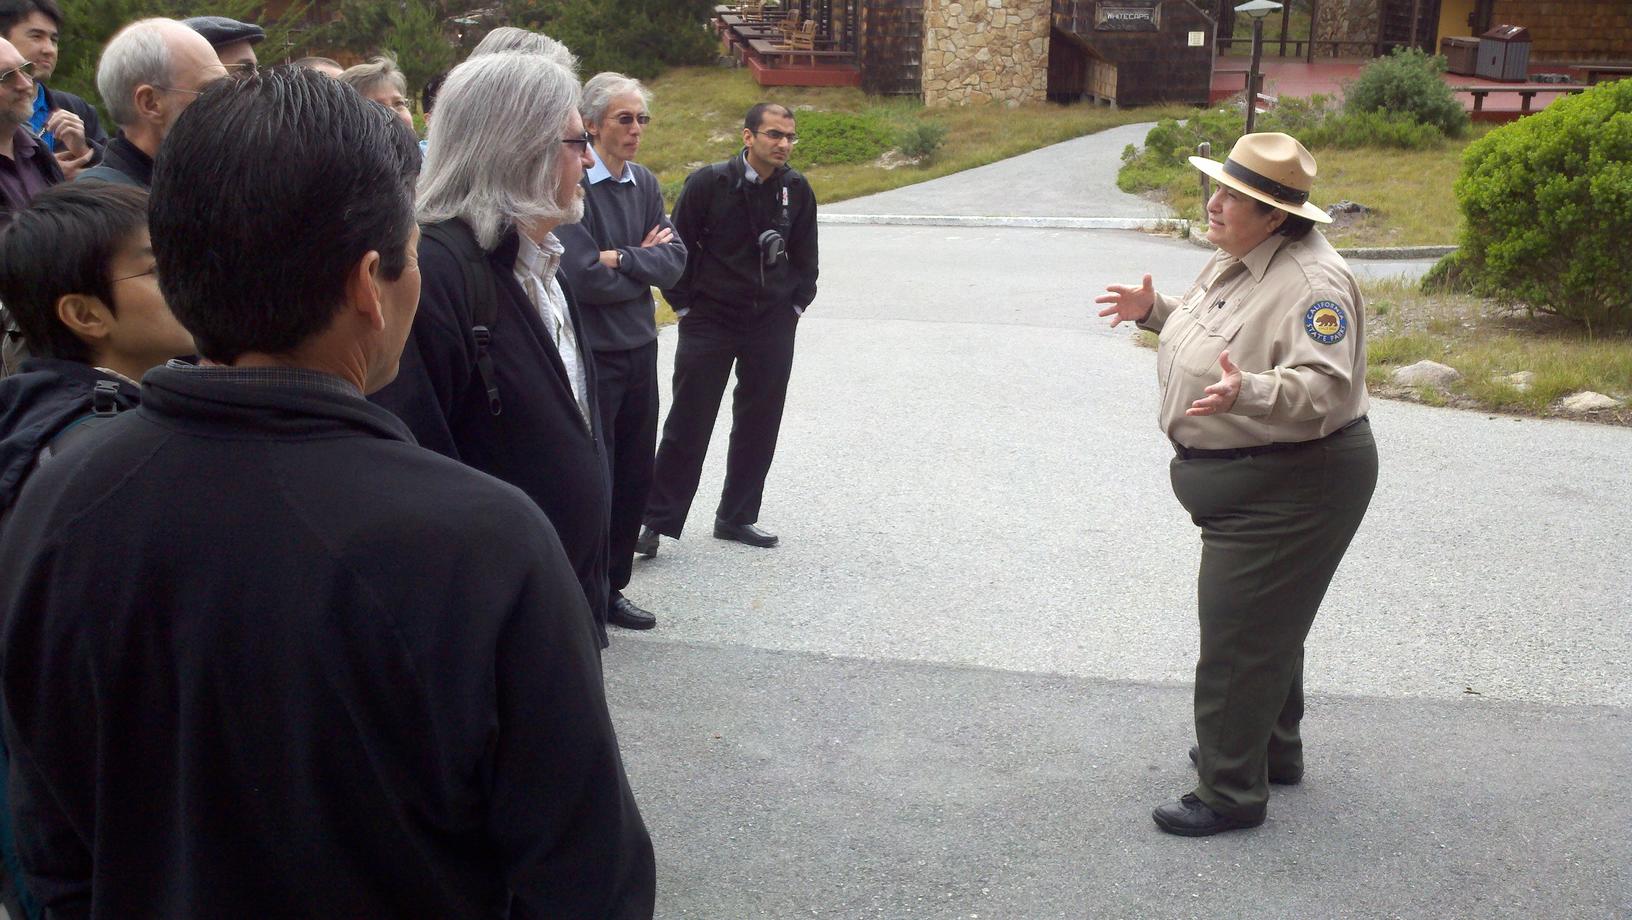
column 921, row 139
column 828, row 138
column 1548, row 207
column 636, row 37
column 1408, row 82
column 1386, row 130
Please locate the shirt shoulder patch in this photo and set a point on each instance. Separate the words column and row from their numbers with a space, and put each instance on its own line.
column 1326, row 322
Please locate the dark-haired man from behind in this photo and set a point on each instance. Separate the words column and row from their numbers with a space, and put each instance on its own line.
column 750, row 229
column 62, row 121
column 263, row 655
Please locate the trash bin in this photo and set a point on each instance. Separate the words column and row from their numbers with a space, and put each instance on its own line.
column 1504, row 54
column 1461, row 54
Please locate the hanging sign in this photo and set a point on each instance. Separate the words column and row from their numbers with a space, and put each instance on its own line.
column 1128, row 15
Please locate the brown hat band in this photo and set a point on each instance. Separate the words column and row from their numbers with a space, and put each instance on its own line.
column 1264, row 184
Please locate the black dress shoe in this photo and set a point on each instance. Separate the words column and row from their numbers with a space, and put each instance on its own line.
column 646, row 543
column 1287, row 778
column 1190, row 817
column 744, row 533
column 623, row 612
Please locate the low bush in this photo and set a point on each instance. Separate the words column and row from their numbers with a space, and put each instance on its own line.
column 921, row 139
column 1548, row 207
column 829, row 138
column 1453, row 274
column 1385, row 130
column 1408, row 82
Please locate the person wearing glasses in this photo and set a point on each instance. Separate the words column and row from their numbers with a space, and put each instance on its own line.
column 750, row 229
column 624, row 247
column 62, row 121
column 496, row 373
column 150, row 72
column 27, row 166
column 234, row 42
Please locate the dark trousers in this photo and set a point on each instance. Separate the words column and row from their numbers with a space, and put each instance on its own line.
column 626, row 386
column 1273, row 529
column 762, row 350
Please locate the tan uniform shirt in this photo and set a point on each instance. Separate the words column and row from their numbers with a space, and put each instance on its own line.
column 1290, row 314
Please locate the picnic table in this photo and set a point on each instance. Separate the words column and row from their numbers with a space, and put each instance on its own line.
column 772, row 52
column 1597, row 72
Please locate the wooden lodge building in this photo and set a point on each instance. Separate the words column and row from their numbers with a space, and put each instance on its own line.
column 1138, row 52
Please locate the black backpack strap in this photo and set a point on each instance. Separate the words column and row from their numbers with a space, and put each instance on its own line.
column 104, row 406
column 12, row 348
column 480, row 294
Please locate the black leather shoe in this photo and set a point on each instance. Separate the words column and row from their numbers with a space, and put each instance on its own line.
column 646, row 543
column 1279, row 779
column 744, row 533
column 624, row 613
column 1190, row 817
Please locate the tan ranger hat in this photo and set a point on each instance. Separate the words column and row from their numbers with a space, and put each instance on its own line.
column 1273, row 168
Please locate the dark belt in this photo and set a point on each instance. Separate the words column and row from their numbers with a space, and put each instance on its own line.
column 1236, row 453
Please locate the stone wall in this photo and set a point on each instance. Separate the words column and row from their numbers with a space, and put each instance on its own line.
column 978, row 51
column 1346, row 20
column 1590, row 31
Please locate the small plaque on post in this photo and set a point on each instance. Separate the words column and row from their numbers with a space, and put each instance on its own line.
column 1128, row 15
column 1198, row 39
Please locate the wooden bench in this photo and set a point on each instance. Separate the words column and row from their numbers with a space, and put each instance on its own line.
column 1597, row 72
column 1526, row 91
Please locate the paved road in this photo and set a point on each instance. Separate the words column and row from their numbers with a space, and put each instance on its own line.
column 962, row 681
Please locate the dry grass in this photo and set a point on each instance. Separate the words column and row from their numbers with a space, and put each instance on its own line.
column 697, row 119
column 1409, row 193
column 1488, row 342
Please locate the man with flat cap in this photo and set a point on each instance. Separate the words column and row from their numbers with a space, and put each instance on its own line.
column 234, row 42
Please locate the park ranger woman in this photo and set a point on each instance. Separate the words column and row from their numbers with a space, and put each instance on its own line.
column 1262, row 365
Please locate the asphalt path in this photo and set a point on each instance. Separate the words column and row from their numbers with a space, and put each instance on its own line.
column 961, row 682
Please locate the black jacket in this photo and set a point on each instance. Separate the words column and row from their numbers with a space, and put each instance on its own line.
column 265, row 657
column 123, row 163
column 44, row 397
column 98, row 138
column 721, row 215
column 539, row 443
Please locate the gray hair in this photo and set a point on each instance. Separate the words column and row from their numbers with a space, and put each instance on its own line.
column 510, row 38
column 494, row 153
column 605, row 87
column 137, row 55
column 366, row 77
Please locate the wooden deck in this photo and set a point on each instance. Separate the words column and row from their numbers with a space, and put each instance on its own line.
column 1484, row 100
column 758, row 47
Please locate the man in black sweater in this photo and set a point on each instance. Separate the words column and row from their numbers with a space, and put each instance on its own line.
column 621, row 249
column 750, row 229
column 264, row 656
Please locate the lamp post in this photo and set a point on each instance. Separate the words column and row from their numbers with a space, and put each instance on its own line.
column 1257, row 9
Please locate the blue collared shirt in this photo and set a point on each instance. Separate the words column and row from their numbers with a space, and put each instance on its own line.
column 599, row 172
column 42, row 112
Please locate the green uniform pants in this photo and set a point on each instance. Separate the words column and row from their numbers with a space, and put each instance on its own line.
column 1273, row 529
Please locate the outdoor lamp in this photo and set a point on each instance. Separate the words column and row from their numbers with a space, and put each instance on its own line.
column 1257, row 9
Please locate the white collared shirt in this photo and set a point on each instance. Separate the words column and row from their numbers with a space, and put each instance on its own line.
column 599, row 172
column 535, row 269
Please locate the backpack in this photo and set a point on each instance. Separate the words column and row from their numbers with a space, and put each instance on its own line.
column 480, row 294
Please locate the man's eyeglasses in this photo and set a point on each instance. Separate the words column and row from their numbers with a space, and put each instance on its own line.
column 177, row 89
column 152, row 271
column 776, row 135
column 582, row 143
column 24, row 70
column 627, row 119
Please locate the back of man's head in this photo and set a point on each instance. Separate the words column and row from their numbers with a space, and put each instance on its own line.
column 62, row 244
column 268, row 193
column 494, row 148
column 510, row 38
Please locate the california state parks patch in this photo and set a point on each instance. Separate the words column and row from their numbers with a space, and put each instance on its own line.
column 1326, row 323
